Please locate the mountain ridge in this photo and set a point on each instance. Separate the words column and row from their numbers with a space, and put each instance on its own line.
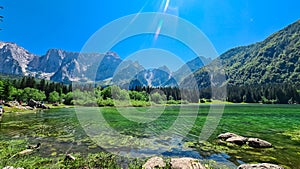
column 273, row 60
column 63, row 66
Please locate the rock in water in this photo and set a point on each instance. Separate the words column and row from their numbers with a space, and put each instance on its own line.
column 27, row 151
column 70, row 157
column 259, row 166
column 37, row 146
column 258, row 143
column 10, row 167
column 154, row 162
column 186, row 163
column 239, row 140
column 226, row 136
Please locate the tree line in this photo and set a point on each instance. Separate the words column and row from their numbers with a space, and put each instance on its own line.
column 26, row 88
column 89, row 95
column 267, row 94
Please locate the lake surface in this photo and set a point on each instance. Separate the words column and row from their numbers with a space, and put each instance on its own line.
column 168, row 131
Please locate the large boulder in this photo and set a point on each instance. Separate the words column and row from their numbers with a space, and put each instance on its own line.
column 154, row 162
column 239, row 140
column 227, row 135
column 35, row 104
column 185, row 163
column 11, row 104
column 258, row 143
column 32, row 103
column 259, row 166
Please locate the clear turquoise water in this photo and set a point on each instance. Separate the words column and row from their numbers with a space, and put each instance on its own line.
column 144, row 132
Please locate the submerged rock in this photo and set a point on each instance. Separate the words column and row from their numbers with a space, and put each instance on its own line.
column 35, row 146
column 70, row 157
column 239, row 140
column 258, row 143
column 186, row 163
column 10, row 167
column 27, row 151
column 227, row 135
column 259, row 166
column 154, row 162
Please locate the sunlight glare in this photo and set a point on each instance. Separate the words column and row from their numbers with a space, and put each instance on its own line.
column 160, row 24
column 166, row 5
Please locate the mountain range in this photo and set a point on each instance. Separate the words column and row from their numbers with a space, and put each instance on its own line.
column 62, row 66
column 273, row 60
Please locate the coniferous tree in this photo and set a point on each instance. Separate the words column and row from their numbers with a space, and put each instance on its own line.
column 42, row 85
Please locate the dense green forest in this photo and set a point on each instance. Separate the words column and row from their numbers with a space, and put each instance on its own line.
column 25, row 88
column 267, row 94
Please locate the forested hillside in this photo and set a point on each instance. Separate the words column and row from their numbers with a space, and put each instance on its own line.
column 265, row 71
column 274, row 60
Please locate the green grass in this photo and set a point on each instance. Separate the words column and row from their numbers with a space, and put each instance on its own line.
column 14, row 109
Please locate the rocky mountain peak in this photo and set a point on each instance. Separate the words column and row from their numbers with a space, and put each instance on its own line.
column 14, row 59
column 165, row 69
column 112, row 54
column 55, row 53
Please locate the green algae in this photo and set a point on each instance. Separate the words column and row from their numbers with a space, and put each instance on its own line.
column 60, row 132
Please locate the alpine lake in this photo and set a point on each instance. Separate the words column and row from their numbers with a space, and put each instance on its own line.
column 127, row 133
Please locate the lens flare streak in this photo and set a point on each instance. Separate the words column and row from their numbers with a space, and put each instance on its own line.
column 160, row 24
column 166, row 6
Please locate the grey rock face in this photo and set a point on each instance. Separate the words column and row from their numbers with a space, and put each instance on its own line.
column 227, row 135
column 154, row 162
column 258, row 143
column 186, row 163
column 239, row 140
column 259, row 166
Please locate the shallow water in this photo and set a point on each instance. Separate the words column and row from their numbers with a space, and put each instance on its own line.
column 169, row 131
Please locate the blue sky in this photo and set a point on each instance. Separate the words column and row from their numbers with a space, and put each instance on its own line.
column 39, row 25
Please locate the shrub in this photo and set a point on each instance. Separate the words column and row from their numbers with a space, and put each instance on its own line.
column 107, row 102
column 173, row 102
column 158, row 98
column 184, row 102
column 139, row 103
column 208, row 100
